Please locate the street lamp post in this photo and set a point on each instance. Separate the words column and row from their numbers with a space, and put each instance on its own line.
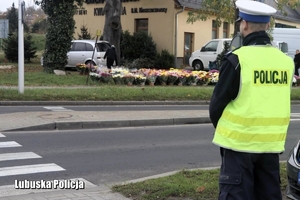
column 21, row 47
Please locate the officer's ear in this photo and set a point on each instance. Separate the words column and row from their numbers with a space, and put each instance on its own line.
column 244, row 25
column 268, row 26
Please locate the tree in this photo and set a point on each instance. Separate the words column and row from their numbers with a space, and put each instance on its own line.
column 29, row 49
column 225, row 10
column 220, row 56
column 113, row 28
column 84, row 33
column 12, row 16
column 10, row 47
column 60, row 31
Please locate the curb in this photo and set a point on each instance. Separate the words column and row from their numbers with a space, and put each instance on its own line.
column 76, row 125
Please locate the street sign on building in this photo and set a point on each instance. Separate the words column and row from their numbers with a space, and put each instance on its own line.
column 3, row 28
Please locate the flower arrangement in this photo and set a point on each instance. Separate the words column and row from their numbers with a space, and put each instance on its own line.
column 151, row 79
column 106, row 77
column 151, row 75
column 122, row 75
column 81, row 68
column 84, row 69
column 213, row 77
column 192, row 79
column 117, row 79
column 128, row 79
column 94, row 76
column 162, row 77
column 140, row 79
column 172, row 76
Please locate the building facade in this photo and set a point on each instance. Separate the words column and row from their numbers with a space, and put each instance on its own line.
column 166, row 22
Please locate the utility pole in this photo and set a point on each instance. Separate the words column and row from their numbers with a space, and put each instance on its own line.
column 21, row 11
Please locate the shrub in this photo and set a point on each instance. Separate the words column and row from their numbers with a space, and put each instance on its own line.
column 138, row 45
column 143, row 63
column 165, row 60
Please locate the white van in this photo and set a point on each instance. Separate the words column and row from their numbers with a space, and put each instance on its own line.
column 282, row 46
column 289, row 35
column 199, row 59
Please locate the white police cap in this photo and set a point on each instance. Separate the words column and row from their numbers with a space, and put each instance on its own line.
column 254, row 11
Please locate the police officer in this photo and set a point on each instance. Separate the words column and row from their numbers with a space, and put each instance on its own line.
column 250, row 109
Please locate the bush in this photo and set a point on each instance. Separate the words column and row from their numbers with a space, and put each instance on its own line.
column 39, row 41
column 165, row 60
column 138, row 45
column 143, row 63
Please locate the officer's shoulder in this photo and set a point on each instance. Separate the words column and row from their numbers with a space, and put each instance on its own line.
column 232, row 58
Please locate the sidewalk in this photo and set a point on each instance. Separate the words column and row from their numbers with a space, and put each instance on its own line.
column 71, row 120
column 68, row 120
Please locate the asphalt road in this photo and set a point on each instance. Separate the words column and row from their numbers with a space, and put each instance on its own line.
column 12, row 109
column 109, row 156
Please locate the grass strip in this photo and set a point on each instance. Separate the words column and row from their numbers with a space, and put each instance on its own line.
column 109, row 93
column 186, row 184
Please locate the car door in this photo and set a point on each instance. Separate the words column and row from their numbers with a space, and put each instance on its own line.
column 209, row 53
column 101, row 50
column 76, row 54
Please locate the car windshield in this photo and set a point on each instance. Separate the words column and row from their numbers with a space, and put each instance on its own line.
column 102, row 46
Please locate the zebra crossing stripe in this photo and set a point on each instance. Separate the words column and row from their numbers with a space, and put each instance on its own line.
column 57, row 108
column 1, row 135
column 9, row 144
column 29, row 169
column 18, row 156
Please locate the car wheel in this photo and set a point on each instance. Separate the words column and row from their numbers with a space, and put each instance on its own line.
column 89, row 61
column 197, row 65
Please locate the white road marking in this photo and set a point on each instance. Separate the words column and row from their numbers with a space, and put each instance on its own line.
column 9, row 144
column 294, row 119
column 29, row 169
column 18, row 156
column 56, row 108
column 295, row 114
column 1, row 135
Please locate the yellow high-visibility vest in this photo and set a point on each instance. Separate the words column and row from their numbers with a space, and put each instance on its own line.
column 257, row 120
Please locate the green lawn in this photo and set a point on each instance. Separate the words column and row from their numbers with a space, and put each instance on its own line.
column 184, row 185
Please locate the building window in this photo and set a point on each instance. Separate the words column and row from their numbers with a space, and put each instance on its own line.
column 225, row 30
column 279, row 25
column 141, row 25
column 214, row 30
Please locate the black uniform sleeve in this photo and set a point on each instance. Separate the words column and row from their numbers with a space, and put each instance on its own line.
column 225, row 90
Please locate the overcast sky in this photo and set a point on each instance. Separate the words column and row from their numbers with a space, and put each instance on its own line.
column 4, row 4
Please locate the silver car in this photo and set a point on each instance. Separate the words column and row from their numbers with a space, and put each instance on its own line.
column 81, row 51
